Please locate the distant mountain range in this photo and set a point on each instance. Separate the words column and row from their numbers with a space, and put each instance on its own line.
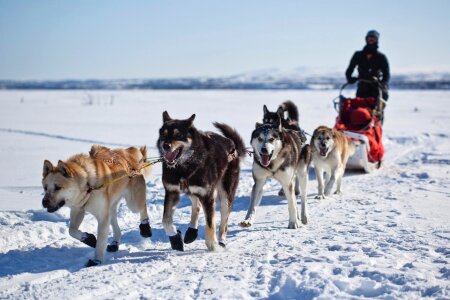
column 299, row 78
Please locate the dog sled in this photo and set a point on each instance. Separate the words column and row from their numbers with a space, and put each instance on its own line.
column 360, row 119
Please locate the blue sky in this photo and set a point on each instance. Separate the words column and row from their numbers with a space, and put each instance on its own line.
column 152, row 39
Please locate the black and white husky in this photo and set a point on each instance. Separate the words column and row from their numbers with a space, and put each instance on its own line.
column 202, row 165
column 287, row 115
column 279, row 153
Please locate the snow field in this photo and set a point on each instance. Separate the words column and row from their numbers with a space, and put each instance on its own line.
column 386, row 237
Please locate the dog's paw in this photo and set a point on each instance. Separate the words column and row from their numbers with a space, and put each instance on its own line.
column 211, row 245
column 245, row 224
column 190, row 235
column 338, row 193
column 89, row 239
column 113, row 247
column 145, row 230
column 293, row 225
column 304, row 219
column 176, row 241
column 222, row 244
column 92, row 263
column 321, row 197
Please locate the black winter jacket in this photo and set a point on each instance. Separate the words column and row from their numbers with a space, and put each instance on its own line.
column 377, row 66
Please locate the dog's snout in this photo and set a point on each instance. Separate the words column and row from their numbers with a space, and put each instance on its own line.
column 166, row 146
column 45, row 201
column 264, row 151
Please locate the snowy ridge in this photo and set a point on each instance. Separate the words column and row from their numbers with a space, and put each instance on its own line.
column 386, row 237
column 301, row 78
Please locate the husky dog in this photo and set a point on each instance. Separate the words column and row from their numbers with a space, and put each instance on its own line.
column 279, row 153
column 93, row 183
column 202, row 165
column 330, row 152
column 289, row 122
column 277, row 117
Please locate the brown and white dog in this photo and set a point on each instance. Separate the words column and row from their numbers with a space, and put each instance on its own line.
column 330, row 152
column 95, row 183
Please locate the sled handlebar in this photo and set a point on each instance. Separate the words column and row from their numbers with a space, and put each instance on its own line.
column 381, row 103
column 374, row 81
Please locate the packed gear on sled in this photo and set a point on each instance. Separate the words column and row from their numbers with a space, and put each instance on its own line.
column 361, row 119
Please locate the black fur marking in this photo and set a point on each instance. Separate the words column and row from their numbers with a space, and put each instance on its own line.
column 176, row 241
column 190, row 235
column 222, row 244
column 90, row 240
column 145, row 230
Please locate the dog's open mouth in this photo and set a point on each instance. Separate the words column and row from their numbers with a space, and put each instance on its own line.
column 265, row 159
column 171, row 156
column 55, row 208
column 323, row 151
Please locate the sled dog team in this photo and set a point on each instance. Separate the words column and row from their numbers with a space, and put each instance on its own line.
column 204, row 166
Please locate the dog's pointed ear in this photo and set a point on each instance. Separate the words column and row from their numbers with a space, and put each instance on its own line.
column 48, row 167
column 265, row 109
column 143, row 150
column 64, row 169
column 166, row 116
column 280, row 112
column 191, row 119
column 257, row 125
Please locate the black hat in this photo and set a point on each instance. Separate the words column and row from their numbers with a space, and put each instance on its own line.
column 373, row 33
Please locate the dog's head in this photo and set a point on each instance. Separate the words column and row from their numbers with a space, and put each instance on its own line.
column 267, row 141
column 323, row 140
column 175, row 139
column 60, row 186
column 274, row 118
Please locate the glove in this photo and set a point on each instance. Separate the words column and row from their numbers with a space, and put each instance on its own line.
column 352, row 80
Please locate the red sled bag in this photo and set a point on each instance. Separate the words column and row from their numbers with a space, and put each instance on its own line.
column 359, row 115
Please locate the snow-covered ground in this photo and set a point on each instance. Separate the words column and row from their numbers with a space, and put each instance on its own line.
column 387, row 236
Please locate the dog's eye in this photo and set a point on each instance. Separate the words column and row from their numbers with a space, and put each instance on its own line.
column 328, row 138
column 57, row 187
column 260, row 139
column 271, row 140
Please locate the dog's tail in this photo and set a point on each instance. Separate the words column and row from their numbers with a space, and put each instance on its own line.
column 146, row 170
column 291, row 109
column 351, row 148
column 233, row 135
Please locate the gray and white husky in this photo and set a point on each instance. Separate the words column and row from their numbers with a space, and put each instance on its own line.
column 279, row 153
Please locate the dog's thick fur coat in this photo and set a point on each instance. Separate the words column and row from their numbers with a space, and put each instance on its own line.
column 330, row 152
column 279, row 153
column 202, row 165
column 81, row 183
column 291, row 121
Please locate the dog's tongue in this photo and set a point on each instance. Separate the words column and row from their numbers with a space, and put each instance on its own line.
column 323, row 151
column 170, row 156
column 265, row 159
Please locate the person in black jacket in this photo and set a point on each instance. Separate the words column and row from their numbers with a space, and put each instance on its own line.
column 373, row 66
